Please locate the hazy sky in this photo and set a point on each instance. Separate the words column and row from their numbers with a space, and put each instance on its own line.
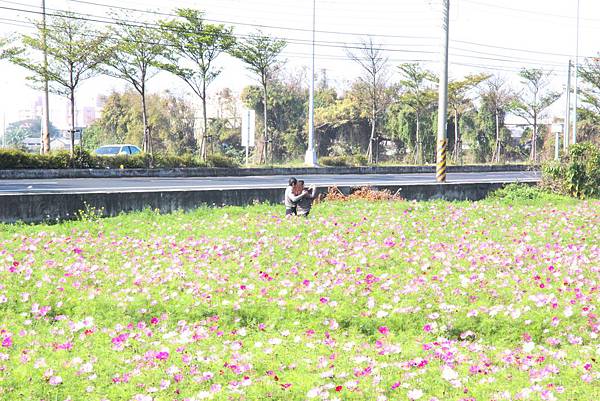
column 486, row 36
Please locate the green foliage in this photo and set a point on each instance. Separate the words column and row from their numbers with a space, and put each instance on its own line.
column 515, row 192
column 217, row 160
column 532, row 103
column 136, row 53
column 89, row 213
column 16, row 159
column 74, row 53
column 287, row 104
column 193, row 40
column 260, row 53
column 343, row 161
column 420, row 96
column 8, row 51
column 17, row 131
column 171, row 118
column 74, row 50
column 578, row 172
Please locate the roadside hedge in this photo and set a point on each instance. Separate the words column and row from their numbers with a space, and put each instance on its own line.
column 343, row 161
column 577, row 173
column 11, row 159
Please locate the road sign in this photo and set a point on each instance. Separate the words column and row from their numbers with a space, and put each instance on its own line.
column 248, row 127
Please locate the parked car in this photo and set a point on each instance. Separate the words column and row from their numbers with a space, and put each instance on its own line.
column 119, row 149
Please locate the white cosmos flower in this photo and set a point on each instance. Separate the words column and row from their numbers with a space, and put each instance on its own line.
column 415, row 394
column 449, row 374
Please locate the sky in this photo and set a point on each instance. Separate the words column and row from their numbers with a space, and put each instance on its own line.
column 496, row 37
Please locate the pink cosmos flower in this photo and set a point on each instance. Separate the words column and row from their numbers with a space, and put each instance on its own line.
column 55, row 380
column 384, row 330
column 427, row 328
column 7, row 342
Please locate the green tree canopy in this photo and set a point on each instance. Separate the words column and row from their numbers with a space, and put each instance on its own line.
column 260, row 53
column 532, row 103
column 460, row 101
column 74, row 50
column 194, row 45
column 18, row 131
column 136, row 53
column 171, row 117
column 419, row 94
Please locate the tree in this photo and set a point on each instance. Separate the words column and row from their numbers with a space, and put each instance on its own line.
column 135, row 56
column 287, row 115
column 373, row 65
column 198, row 43
column 458, row 103
column 171, row 117
column 531, row 104
column 499, row 99
column 18, row 131
column 419, row 96
column 589, row 115
column 261, row 54
column 6, row 51
column 74, row 50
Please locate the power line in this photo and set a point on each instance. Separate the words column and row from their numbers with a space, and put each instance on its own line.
column 257, row 25
column 526, row 11
column 303, row 40
column 329, row 44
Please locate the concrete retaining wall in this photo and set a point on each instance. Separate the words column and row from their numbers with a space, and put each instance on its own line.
column 234, row 172
column 50, row 207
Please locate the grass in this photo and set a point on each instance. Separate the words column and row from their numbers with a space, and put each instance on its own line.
column 364, row 300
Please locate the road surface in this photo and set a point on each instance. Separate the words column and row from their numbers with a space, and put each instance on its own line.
column 151, row 184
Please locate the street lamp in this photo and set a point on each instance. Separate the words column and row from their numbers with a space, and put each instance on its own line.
column 45, row 140
column 311, row 156
column 576, row 77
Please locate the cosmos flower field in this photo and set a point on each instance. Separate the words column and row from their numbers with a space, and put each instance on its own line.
column 362, row 301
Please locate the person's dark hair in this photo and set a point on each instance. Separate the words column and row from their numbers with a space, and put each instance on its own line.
column 292, row 181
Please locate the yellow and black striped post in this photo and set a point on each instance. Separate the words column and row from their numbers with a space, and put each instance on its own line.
column 442, row 148
column 442, row 139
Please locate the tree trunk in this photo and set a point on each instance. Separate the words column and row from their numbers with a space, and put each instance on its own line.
column 205, row 121
column 496, row 155
column 372, row 137
column 72, row 101
column 266, row 132
column 457, row 145
column 146, row 137
column 419, row 150
column 534, row 140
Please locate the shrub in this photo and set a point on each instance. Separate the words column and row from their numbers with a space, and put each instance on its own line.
column 514, row 192
column 18, row 159
column 578, row 172
column 217, row 160
column 360, row 160
column 335, row 161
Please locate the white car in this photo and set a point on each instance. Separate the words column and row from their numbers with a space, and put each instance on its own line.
column 119, row 149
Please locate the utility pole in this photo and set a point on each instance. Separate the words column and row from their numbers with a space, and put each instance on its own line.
column 311, row 157
column 45, row 148
column 568, row 111
column 442, row 142
column 576, row 78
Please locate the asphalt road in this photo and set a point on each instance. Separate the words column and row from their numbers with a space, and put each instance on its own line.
column 78, row 185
